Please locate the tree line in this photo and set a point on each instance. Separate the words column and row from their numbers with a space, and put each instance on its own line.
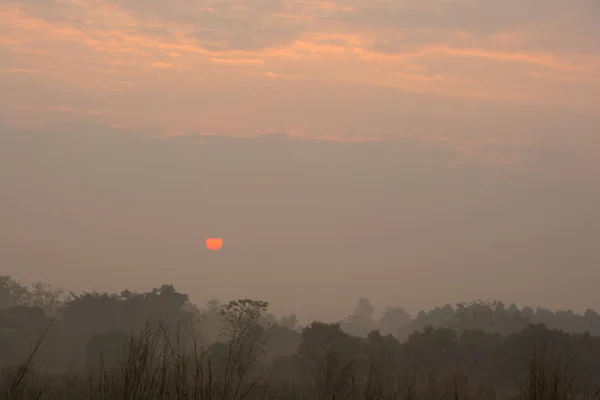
column 159, row 345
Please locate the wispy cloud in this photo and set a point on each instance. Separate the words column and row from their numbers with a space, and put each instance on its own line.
column 227, row 57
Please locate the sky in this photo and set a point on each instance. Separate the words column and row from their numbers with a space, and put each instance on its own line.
column 413, row 151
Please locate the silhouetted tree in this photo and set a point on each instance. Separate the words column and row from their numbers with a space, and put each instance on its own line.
column 12, row 293
column 394, row 321
column 361, row 322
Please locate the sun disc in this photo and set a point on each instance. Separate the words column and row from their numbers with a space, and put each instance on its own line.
column 214, row 243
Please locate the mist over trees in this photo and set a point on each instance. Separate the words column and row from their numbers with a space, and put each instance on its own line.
column 321, row 206
column 161, row 345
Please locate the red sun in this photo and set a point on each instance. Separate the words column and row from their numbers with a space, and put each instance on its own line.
column 214, row 243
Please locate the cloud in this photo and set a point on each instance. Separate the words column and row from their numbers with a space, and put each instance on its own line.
column 351, row 69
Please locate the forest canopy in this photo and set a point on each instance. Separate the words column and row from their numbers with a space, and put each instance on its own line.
column 481, row 348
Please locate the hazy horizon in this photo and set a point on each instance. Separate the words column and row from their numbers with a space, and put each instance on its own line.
column 308, row 226
column 416, row 153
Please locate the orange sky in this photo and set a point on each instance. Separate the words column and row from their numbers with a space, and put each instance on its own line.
column 242, row 67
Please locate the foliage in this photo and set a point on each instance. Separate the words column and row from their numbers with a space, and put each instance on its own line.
column 158, row 345
column 13, row 293
column 361, row 322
